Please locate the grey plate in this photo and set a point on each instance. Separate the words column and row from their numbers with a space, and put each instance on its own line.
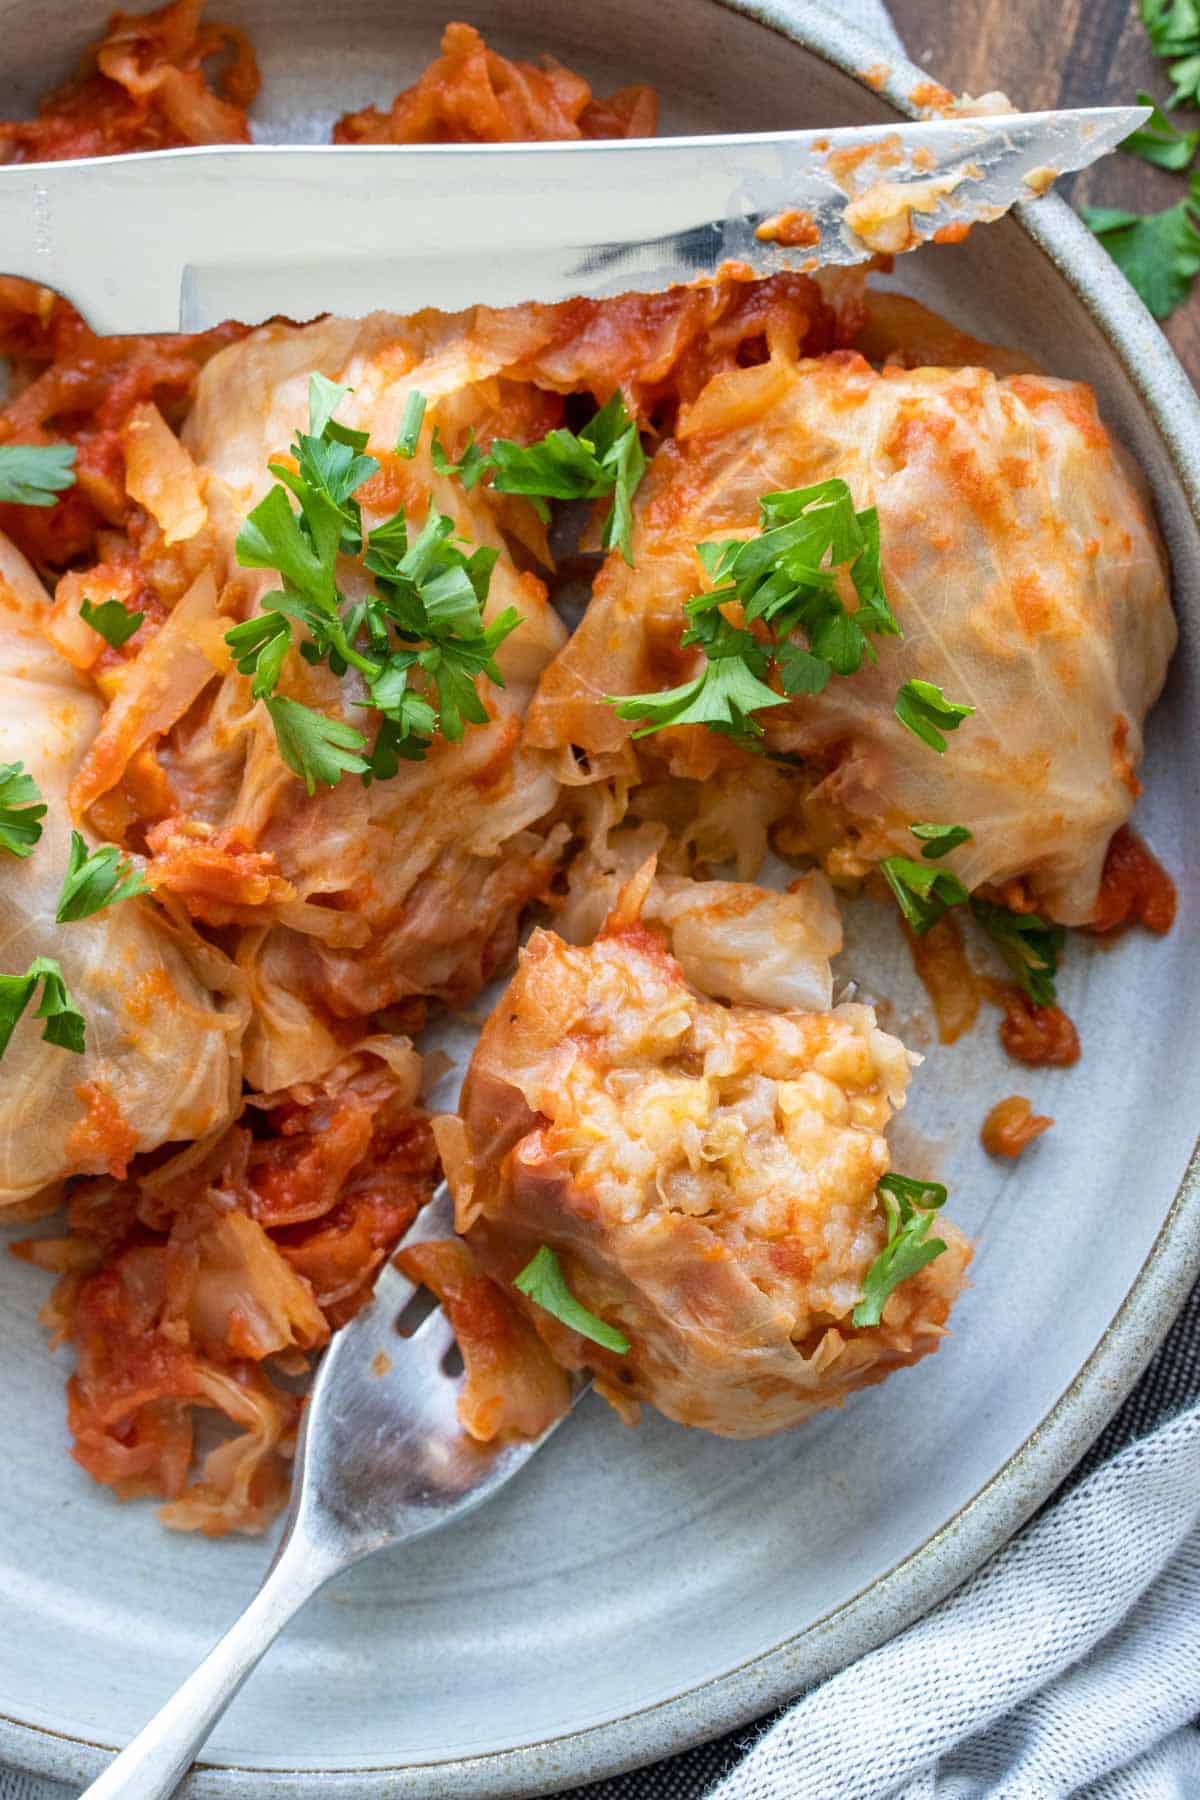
column 639, row 1591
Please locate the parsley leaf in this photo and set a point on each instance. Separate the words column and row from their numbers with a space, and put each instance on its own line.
column 939, row 840
column 908, row 1207
column 1158, row 253
column 922, row 893
column 724, row 696
column 410, row 425
column 324, row 398
column 35, row 474
column 782, row 577
column 21, row 810
column 1174, row 28
column 259, row 647
column 472, row 465
column 606, row 457
column 800, row 672
column 1160, row 142
column 314, row 746
column 543, row 1282
column 922, row 707
column 115, row 625
column 96, row 880
column 403, row 736
column 785, row 585
column 1030, row 948
column 64, row 1022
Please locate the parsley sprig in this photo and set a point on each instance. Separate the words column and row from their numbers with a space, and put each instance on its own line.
column 1158, row 253
column 418, row 641
column 63, row 1020
column 606, row 457
column 908, row 1207
column 35, row 474
column 95, row 880
column 1174, row 29
column 542, row 1281
column 22, row 810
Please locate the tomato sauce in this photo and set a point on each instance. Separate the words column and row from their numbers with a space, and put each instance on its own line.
column 1135, row 889
column 1010, row 1125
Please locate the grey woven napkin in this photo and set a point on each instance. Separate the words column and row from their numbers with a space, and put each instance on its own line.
column 1069, row 1665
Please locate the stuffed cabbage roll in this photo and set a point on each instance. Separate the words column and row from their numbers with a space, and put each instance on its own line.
column 705, row 1176
column 162, row 1021
column 1020, row 558
column 351, row 900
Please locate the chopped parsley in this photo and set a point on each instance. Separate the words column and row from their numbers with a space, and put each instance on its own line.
column 725, row 696
column 606, row 457
column 1030, row 948
column 115, row 625
column 938, row 840
column 418, row 641
column 922, row 707
column 410, row 425
column 922, row 893
column 35, row 474
column 472, row 465
column 22, row 810
column 543, row 1282
column 785, row 580
column 908, row 1207
column 96, row 880
column 63, row 1020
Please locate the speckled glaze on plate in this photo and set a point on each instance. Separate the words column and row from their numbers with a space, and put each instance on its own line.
column 636, row 1592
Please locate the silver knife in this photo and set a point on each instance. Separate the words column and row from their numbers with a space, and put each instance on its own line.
column 177, row 240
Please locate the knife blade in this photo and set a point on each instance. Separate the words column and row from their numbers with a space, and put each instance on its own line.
column 177, row 240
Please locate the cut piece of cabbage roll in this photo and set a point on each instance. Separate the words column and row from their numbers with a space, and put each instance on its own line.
column 732, row 939
column 705, row 1175
column 1020, row 558
column 161, row 1059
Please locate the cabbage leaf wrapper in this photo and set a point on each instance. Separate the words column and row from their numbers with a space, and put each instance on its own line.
column 163, row 1020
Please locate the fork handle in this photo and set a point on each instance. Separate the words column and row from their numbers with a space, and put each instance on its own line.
column 153, row 1765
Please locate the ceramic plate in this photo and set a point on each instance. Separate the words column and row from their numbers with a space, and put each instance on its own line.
column 636, row 1591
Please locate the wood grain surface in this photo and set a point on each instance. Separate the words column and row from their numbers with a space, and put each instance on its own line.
column 1045, row 53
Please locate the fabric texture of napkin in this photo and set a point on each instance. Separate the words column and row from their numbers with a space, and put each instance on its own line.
column 1069, row 1665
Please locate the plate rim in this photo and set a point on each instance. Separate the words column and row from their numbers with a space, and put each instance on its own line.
column 1002, row 1505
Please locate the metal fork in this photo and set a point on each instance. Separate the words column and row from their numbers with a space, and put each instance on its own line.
column 381, row 1459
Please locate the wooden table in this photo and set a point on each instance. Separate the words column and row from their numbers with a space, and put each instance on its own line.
column 1045, row 53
